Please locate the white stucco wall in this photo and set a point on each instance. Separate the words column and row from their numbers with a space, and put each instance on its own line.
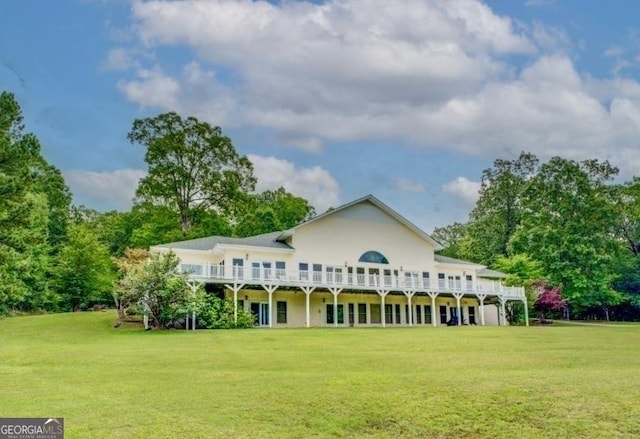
column 347, row 234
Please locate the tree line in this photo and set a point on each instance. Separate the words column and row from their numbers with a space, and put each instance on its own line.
column 56, row 256
column 565, row 224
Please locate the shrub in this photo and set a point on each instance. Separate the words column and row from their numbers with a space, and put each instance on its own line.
column 217, row 313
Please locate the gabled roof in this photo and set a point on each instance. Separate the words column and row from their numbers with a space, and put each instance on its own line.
column 448, row 260
column 380, row 205
column 481, row 270
column 491, row 274
column 208, row 243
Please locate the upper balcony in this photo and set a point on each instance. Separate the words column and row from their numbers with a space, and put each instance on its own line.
column 353, row 281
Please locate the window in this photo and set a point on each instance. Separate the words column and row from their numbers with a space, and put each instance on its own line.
column 469, row 280
column 426, row 283
column 441, row 280
column 373, row 257
column 362, row 313
column 317, row 272
column 418, row 315
column 194, row 269
column 280, row 270
column 281, row 307
column 268, row 273
column 397, row 313
column 304, row 270
column 237, row 267
column 427, row 314
column 388, row 313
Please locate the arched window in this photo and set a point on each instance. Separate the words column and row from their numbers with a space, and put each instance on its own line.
column 373, row 257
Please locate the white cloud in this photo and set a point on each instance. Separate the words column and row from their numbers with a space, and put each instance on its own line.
column 464, row 189
column 406, row 185
column 539, row 2
column 328, row 71
column 431, row 74
column 615, row 51
column 315, row 184
column 119, row 59
column 106, row 190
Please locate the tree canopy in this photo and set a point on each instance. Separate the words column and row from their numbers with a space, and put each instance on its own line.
column 193, row 169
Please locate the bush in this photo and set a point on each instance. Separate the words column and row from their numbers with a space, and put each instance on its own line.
column 216, row 313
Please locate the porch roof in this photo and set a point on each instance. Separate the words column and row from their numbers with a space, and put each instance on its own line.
column 208, row 243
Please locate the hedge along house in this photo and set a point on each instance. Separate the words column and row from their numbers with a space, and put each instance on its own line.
column 361, row 264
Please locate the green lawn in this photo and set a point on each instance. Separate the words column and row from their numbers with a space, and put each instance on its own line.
column 468, row 382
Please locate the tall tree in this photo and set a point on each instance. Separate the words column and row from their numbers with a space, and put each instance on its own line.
column 568, row 225
column 84, row 270
column 270, row 211
column 24, row 214
column 451, row 237
column 498, row 210
column 193, row 168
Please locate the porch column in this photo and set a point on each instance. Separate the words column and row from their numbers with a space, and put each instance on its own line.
column 481, row 297
column 335, row 292
column 433, row 308
column 526, row 311
column 383, row 294
column 307, row 291
column 235, row 288
column 458, row 296
column 503, row 320
column 270, row 289
column 409, row 295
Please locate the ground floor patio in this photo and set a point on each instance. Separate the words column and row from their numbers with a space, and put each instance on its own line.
column 307, row 306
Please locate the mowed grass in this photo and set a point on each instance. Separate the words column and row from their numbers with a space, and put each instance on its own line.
column 470, row 382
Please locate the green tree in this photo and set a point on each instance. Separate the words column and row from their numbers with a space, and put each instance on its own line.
column 84, row 271
column 25, row 215
column 160, row 288
column 522, row 271
column 569, row 225
column 498, row 211
column 123, row 294
column 49, row 181
column 451, row 238
column 193, row 169
column 271, row 211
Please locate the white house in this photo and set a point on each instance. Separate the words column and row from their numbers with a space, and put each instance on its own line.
column 362, row 264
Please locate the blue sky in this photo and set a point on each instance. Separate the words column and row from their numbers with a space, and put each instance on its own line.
column 407, row 100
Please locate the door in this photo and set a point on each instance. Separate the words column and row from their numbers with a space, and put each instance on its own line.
column 352, row 316
column 256, row 268
column 238, row 268
column 443, row 315
column 330, row 316
column 261, row 312
column 472, row 315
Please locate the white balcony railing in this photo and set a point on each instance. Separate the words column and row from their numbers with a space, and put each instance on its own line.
column 362, row 281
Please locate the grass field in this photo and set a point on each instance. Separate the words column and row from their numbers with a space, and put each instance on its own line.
column 468, row 382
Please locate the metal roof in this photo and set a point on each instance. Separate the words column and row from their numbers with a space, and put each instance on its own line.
column 448, row 260
column 264, row 240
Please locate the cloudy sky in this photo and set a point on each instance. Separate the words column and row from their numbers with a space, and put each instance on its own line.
column 406, row 100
